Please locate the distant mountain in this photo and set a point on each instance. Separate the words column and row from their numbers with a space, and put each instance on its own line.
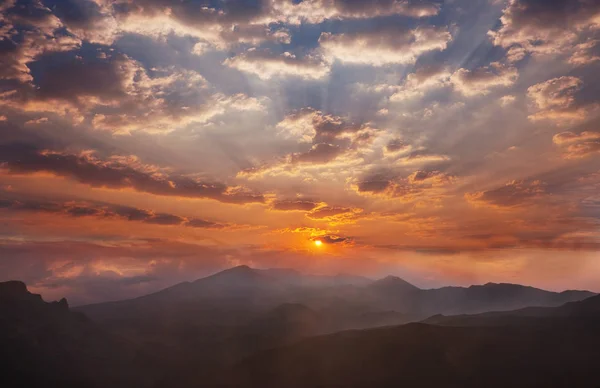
column 585, row 311
column 242, row 292
column 46, row 345
column 552, row 352
column 242, row 289
column 474, row 299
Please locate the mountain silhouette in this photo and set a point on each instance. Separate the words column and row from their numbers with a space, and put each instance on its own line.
column 47, row 345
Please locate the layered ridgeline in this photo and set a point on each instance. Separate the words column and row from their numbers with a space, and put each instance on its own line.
column 230, row 324
column 533, row 347
column 243, row 291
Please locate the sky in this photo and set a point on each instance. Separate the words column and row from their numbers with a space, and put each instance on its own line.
column 149, row 142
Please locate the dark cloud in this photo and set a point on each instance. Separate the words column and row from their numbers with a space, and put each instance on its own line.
column 131, row 213
column 319, row 153
column 414, row 185
column 330, row 211
column 512, row 194
column 293, row 205
column 165, row 219
column 395, row 145
column 29, row 30
column 333, row 239
column 76, row 14
column 82, row 211
column 75, row 78
column 374, row 184
column 23, row 159
column 200, row 223
column 95, row 209
column 328, row 127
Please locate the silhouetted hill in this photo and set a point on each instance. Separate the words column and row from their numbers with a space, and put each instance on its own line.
column 46, row 345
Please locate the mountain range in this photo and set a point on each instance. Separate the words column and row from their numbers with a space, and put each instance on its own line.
column 248, row 291
column 280, row 328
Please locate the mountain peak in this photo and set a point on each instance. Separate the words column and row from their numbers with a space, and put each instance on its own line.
column 393, row 282
column 236, row 276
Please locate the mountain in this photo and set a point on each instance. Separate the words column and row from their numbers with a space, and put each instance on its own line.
column 243, row 289
column 46, row 344
column 241, row 292
column 553, row 352
column 491, row 297
column 584, row 311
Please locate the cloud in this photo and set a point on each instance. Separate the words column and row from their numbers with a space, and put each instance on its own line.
column 28, row 31
column 420, row 158
column 578, row 145
column 117, row 173
column 89, row 20
column 424, row 79
column 333, row 239
column 507, row 100
column 583, row 53
column 429, row 177
column 220, row 24
column 120, row 95
column 555, row 100
column 317, row 11
column 325, row 142
column 418, row 186
column 319, row 153
column 374, row 184
column 515, row 193
column 395, row 145
column 481, row 80
column 312, row 125
column 79, row 209
column 544, row 27
column 266, row 64
column 295, row 205
column 335, row 215
column 383, row 44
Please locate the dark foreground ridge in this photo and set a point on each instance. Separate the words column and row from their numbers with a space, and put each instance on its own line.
column 278, row 328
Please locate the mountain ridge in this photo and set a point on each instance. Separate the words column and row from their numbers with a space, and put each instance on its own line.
column 263, row 289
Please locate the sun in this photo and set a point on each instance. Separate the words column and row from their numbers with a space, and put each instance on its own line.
column 318, row 243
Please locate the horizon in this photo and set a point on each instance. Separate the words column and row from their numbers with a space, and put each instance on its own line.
column 447, row 142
